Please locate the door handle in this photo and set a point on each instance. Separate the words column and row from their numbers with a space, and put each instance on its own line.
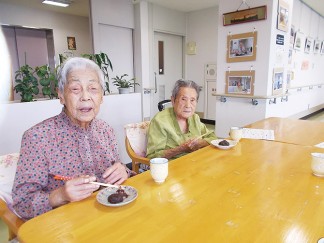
column 155, row 83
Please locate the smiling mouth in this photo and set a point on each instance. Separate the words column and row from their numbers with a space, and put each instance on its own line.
column 86, row 109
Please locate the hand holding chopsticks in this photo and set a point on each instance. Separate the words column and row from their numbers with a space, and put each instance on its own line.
column 205, row 134
column 66, row 178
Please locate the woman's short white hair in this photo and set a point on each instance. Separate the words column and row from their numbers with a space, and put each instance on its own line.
column 74, row 63
column 181, row 83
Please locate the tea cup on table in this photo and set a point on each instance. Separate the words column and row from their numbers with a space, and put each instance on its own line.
column 236, row 133
column 318, row 164
column 159, row 169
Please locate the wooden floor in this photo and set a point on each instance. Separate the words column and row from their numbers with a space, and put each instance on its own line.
column 3, row 228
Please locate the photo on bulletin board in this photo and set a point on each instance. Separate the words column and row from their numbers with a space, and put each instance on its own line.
column 71, row 43
column 283, row 16
column 240, row 82
column 317, row 46
column 241, row 47
column 277, row 81
column 299, row 41
column 322, row 48
column 308, row 44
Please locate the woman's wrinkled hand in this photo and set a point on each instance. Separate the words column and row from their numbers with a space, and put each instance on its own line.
column 116, row 174
column 194, row 144
column 74, row 190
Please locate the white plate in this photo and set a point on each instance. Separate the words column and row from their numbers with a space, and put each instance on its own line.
column 102, row 196
column 232, row 143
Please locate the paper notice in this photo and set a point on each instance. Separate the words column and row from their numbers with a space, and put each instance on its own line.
column 320, row 145
column 258, row 134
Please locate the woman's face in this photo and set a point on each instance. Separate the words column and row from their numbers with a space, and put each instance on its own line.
column 82, row 96
column 184, row 104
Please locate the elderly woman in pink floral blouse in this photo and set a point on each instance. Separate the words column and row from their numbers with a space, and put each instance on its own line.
column 74, row 144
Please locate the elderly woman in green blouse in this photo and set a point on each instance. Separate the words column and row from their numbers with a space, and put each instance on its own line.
column 177, row 131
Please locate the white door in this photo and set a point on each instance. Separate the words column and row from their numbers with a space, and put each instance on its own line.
column 117, row 42
column 168, row 63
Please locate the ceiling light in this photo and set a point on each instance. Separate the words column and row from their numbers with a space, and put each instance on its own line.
column 60, row 3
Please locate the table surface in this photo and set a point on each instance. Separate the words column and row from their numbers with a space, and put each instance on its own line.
column 302, row 132
column 258, row 191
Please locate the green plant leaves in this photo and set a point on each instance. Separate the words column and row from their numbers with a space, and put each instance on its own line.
column 27, row 83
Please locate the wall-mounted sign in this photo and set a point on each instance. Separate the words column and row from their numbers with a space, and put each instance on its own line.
column 280, row 39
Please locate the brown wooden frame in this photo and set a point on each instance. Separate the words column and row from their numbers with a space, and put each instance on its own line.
column 234, row 76
column 246, row 15
column 233, row 51
column 71, row 43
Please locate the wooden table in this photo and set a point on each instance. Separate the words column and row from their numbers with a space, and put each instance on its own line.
column 258, row 191
column 293, row 131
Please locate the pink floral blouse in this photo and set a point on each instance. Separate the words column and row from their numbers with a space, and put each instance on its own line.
column 56, row 146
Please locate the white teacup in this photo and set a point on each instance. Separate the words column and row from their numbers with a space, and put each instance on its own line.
column 318, row 164
column 236, row 133
column 159, row 169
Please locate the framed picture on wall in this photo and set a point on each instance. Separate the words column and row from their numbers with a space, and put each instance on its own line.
column 290, row 77
column 299, row 41
column 283, row 16
column 246, row 15
column 290, row 55
column 277, row 81
column 322, row 47
column 240, row 82
column 71, row 43
column 241, row 47
column 317, row 46
column 292, row 34
column 308, row 44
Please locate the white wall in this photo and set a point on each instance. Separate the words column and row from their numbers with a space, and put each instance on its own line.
column 112, row 31
column 16, row 118
column 168, row 20
column 239, row 112
column 202, row 29
column 63, row 25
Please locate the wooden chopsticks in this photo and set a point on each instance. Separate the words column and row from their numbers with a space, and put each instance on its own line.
column 66, row 178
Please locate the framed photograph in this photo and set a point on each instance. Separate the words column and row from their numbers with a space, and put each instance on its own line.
column 277, row 81
column 246, row 15
column 71, row 43
column 299, row 41
column 240, row 82
column 241, row 47
column 317, row 46
column 322, row 47
column 283, row 16
column 308, row 44
column 290, row 55
column 289, row 78
column 292, row 34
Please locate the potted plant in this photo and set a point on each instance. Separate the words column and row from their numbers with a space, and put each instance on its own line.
column 26, row 83
column 104, row 63
column 123, row 84
column 48, row 80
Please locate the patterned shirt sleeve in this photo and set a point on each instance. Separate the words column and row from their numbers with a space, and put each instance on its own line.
column 31, row 175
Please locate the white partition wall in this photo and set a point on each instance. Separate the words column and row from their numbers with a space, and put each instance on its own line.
column 16, row 118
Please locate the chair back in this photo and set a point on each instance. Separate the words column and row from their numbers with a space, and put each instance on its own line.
column 162, row 104
column 8, row 165
column 136, row 142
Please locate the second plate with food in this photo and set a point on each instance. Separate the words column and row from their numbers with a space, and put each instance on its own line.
column 131, row 192
column 222, row 143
